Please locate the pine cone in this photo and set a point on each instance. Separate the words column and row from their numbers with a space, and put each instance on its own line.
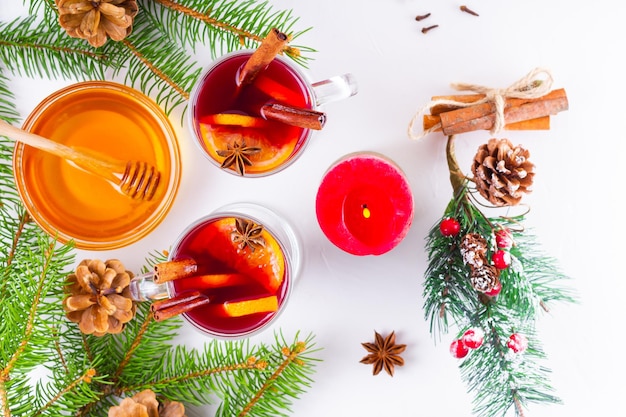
column 99, row 297
column 484, row 278
column 473, row 249
column 97, row 20
column 145, row 404
column 502, row 172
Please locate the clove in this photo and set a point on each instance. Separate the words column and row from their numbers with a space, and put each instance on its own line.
column 468, row 10
column 422, row 17
column 426, row 29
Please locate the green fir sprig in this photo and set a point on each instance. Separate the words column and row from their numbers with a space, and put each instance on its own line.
column 498, row 377
column 47, row 366
column 157, row 56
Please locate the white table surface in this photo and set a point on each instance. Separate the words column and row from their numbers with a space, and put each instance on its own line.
column 575, row 212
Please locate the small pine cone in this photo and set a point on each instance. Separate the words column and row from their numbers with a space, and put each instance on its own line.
column 97, row 20
column 145, row 404
column 502, row 172
column 98, row 297
column 485, row 278
column 474, row 250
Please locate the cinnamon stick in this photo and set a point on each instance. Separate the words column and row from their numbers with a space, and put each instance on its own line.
column 472, row 98
column 171, row 270
column 182, row 303
column 539, row 123
column 294, row 116
column 273, row 43
column 483, row 116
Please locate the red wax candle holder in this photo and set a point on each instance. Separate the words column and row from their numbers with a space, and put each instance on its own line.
column 364, row 204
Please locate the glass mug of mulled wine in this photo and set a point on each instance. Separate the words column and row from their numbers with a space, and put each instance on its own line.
column 262, row 127
column 229, row 273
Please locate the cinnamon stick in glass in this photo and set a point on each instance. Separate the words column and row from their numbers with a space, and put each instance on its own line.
column 294, row 116
column 273, row 44
column 171, row 270
column 182, row 303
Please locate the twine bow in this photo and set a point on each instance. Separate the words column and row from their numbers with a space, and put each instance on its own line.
column 535, row 84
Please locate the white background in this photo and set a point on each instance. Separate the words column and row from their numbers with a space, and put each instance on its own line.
column 576, row 209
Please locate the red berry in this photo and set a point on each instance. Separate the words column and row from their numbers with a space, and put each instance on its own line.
column 517, row 343
column 495, row 290
column 458, row 349
column 473, row 338
column 449, row 227
column 504, row 239
column 501, row 259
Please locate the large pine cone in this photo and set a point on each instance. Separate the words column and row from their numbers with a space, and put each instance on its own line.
column 502, row 172
column 145, row 404
column 97, row 20
column 99, row 297
column 485, row 278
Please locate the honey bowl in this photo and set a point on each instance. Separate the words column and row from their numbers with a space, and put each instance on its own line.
column 73, row 205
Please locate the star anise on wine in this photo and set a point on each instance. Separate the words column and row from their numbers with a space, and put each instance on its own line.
column 384, row 353
column 247, row 233
column 237, row 156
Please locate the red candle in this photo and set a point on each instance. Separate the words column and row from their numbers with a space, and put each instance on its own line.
column 364, row 204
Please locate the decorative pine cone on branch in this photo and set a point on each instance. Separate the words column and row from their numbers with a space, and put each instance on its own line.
column 98, row 297
column 485, row 278
column 474, row 250
column 97, row 20
column 502, row 172
column 145, row 404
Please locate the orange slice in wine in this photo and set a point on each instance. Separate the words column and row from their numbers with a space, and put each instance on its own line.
column 277, row 90
column 232, row 119
column 246, row 307
column 265, row 265
column 271, row 156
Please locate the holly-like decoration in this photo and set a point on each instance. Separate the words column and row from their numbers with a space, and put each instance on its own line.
column 492, row 280
column 473, row 338
column 449, row 227
column 458, row 349
column 517, row 342
column 504, row 239
column 501, row 259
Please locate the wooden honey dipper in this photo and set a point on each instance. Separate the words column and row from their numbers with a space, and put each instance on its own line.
column 136, row 179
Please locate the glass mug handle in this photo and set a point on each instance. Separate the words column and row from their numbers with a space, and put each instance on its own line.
column 334, row 89
column 143, row 288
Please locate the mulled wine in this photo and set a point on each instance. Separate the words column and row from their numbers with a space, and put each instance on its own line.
column 226, row 115
column 243, row 267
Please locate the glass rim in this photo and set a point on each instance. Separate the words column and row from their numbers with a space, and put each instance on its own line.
column 193, row 96
column 153, row 219
column 292, row 260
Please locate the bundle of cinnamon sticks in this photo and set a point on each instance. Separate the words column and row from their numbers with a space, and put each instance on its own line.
column 519, row 114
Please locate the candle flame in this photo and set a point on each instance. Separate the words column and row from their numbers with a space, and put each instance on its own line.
column 366, row 212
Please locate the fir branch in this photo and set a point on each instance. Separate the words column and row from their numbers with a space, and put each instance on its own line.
column 156, row 62
column 33, row 49
column 224, row 24
column 499, row 378
column 8, row 112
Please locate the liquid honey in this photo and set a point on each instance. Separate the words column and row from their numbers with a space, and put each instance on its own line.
column 106, row 118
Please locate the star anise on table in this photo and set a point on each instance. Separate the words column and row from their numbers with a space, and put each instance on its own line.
column 247, row 233
column 237, row 156
column 384, row 353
